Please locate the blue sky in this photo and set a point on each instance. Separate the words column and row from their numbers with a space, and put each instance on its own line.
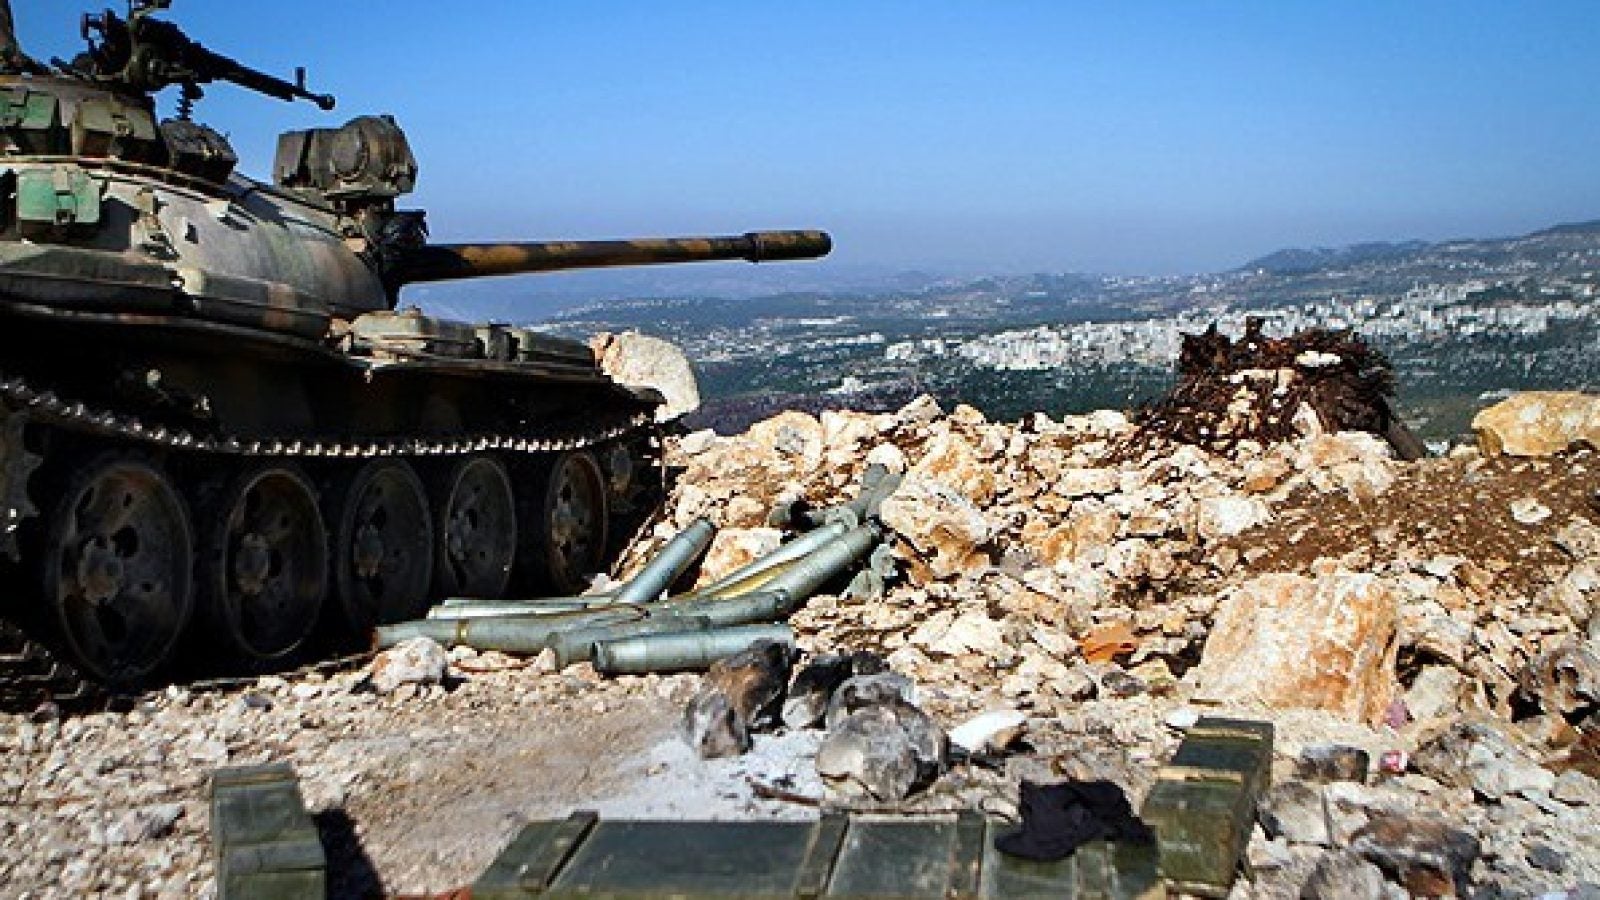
column 998, row 136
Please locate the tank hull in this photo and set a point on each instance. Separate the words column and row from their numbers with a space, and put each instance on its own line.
column 208, row 406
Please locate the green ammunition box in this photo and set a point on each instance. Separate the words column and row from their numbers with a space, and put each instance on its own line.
column 1203, row 803
column 1095, row 871
column 835, row 856
column 266, row 844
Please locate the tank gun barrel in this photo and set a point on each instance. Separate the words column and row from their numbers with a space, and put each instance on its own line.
column 445, row 262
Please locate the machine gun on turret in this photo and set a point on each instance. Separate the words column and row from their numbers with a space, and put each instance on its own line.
column 143, row 54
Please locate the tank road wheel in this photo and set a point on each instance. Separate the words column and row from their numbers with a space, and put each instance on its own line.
column 570, row 519
column 116, row 567
column 382, row 546
column 476, row 533
column 266, row 563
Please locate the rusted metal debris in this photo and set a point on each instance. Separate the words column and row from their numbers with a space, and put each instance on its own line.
column 1251, row 389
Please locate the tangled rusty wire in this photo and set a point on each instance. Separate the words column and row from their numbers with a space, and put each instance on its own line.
column 1251, row 389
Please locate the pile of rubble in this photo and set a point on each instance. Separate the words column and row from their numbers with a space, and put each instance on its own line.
column 1422, row 635
column 1445, row 632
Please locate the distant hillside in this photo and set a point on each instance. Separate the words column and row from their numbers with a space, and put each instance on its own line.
column 1298, row 261
column 1571, row 228
column 1537, row 247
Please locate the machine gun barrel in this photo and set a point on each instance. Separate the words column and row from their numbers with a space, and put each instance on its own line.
column 255, row 80
column 190, row 56
column 445, row 262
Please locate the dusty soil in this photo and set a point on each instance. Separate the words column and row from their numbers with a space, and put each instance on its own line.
column 1437, row 508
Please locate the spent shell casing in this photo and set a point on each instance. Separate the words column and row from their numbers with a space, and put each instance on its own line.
column 676, row 557
column 682, row 651
column 744, row 578
column 526, row 634
column 808, row 575
column 577, row 644
column 762, row 606
column 517, row 608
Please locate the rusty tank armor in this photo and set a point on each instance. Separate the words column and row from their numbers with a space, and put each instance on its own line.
column 218, row 431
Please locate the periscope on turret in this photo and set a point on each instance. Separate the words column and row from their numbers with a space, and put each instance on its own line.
column 224, row 361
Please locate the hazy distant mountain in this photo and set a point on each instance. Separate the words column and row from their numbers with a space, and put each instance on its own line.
column 1545, row 248
column 1298, row 261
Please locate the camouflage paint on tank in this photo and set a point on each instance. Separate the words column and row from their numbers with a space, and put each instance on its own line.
column 441, row 262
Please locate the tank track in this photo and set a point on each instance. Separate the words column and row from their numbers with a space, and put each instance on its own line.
column 46, row 406
column 30, row 673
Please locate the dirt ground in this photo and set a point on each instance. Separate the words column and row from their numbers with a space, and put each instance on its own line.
column 413, row 794
column 1438, row 508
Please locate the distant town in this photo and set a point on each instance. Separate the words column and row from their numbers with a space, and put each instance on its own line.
column 1463, row 321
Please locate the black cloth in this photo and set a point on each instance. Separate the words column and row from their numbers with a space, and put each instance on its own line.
column 1059, row 818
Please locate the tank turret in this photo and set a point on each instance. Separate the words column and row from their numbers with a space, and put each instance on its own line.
column 216, row 431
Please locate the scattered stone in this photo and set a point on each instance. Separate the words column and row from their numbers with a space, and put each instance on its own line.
column 697, row 442
column 793, row 438
column 953, row 462
column 1543, row 856
column 1073, row 594
column 862, row 691
column 1182, row 718
column 1484, row 756
column 1435, row 693
column 892, row 458
column 990, row 732
column 737, row 696
column 144, row 824
column 1538, row 423
column 1565, row 680
column 1290, row 641
column 961, row 635
column 1293, row 810
column 1224, row 517
column 1342, row 875
column 1114, row 682
column 642, row 361
column 881, row 752
column 1427, row 857
column 1528, row 511
column 941, row 523
column 417, row 661
column 1332, row 762
column 734, row 547
column 1576, row 789
column 920, row 411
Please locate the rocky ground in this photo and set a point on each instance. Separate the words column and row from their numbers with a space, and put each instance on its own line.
column 1436, row 615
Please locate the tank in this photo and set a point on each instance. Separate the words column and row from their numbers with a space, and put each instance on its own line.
column 219, row 430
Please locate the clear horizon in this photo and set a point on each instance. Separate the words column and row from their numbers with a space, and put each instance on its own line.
column 1137, row 138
